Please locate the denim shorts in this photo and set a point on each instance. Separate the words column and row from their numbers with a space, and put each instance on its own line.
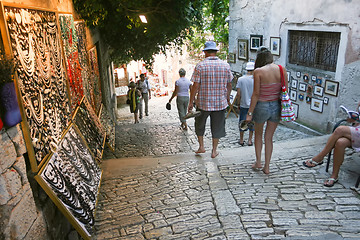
column 267, row 111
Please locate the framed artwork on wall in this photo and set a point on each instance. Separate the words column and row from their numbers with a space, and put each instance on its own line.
column 306, row 77
column 294, row 83
column 319, row 91
column 293, row 95
column 326, row 100
column 289, row 76
column 41, row 80
column 242, row 49
column 255, row 42
column 317, row 105
column 298, row 74
column 275, row 45
column 331, row 87
column 296, row 109
column 231, row 58
column 71, row 178
column 302, row 87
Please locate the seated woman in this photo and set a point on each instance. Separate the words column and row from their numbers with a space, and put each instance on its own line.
column 340, row 139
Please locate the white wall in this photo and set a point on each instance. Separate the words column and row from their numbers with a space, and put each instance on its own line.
column 276, row 17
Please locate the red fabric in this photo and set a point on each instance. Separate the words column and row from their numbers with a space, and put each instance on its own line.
column 1, row 124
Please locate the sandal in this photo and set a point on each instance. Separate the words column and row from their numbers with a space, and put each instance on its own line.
column 333, row 180
column 241, row 143
column 312, row 162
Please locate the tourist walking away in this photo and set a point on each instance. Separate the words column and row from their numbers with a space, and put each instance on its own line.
column 265, row 104
column 245, row 86
column 339, row 140
column 211, row 88
column 182, row 87
column 134, row 96
column 146, row 95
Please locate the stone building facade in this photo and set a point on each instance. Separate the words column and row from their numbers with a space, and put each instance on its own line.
column 26, row 212
column 317, row 42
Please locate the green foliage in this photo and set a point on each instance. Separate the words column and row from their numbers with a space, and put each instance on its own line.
column 214, row 26
column 119, row 24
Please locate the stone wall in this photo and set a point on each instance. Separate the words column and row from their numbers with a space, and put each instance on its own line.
column 26, row 212
column 275, row 18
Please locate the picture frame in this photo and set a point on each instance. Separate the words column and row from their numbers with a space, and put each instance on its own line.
column 275, row 46
column 313, row 78
column 319, row 91
column 289, row 76
column 331, row 87
column 298, row 74
column 308, row 99
column 319, row 81
column 301, row 97
column 326, row 100
column 306, row 77
column 255, row 42
column 294, row 83
column 293, row 95
column 232, row 58
column 296, row 109
column 243, row 49
column 302, row 87
column 317, row 105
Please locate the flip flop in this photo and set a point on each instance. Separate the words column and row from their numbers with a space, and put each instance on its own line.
column 333, row 182
column 312, row 162
column 241, row 143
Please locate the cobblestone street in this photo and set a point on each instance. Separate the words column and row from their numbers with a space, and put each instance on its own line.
column 154, row 187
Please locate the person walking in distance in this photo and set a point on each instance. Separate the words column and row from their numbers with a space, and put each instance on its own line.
column 245, row 86
column 212, row 87
column 265, row 104
column 146, row 95
column 182, row 86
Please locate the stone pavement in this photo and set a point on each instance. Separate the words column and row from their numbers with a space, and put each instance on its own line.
column 154, row 187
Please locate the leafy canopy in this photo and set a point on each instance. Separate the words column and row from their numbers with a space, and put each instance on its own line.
column 129, row 39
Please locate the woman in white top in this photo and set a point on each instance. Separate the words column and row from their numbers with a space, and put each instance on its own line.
column 182, row 87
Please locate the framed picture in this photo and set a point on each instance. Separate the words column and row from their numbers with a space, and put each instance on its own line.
column 301, row 96
column 289, row 76
column 293, row 95
column 294, row 83
column 255, row 42
column 242, row 49
column 331, row 87
column 306, row 77
column 231, row 58
column 296, row 109
column 326, row 100
column 313, row 78
column 308, row 99
column 319, row 81
column 302, row 87
column 275, row 45
column 319, row 91
column 298, row 74
column 316, row 105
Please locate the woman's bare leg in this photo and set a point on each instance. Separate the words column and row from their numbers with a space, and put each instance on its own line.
column 269, row 133
column 340, row 132
column 259, row 128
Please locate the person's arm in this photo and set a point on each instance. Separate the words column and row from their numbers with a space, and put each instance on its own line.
column 174, row 93
column 193, row 92
column 239, row 96
column 255, row 95
column 149, row 89
column 229, row 88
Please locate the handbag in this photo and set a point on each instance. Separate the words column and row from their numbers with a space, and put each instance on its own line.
column 287, row 110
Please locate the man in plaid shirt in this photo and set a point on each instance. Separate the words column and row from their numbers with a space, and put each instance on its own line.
column 211, row 86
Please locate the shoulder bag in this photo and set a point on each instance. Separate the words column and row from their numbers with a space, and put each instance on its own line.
column 287, row 110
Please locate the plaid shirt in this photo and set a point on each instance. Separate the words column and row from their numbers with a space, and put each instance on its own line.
column 213, row 75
